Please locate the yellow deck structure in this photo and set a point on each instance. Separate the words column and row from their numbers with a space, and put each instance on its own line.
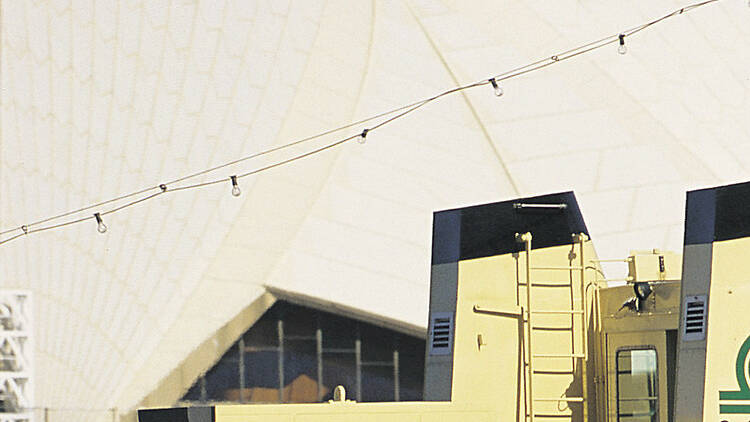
column 523, row 326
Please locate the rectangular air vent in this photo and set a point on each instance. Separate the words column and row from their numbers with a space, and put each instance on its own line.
column 694, row 318
column 441, row 333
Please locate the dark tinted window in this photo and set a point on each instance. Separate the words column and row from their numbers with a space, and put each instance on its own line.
column 295, row 354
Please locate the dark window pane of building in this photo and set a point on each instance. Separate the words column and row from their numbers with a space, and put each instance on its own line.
column 300, row 325
column 222, row 377
column 263, row 333
column 261, row 377
column 377, row 383
column 377, row 343
column 298, row 321
column 339, row 369
column 411, row 368
column 300, row 371
column 338, row 332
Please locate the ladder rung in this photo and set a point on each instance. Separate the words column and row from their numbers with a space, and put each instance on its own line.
column 545, row 284
column 560, row 312
column 548, row 328
column 567, row 399
column 554, row 355
column 557, row 268
column 553, row 373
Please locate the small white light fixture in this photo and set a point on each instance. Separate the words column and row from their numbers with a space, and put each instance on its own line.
column 622, row 49
column 100, row 226
column 363, row 136
column 498, row 89
column 235, row 187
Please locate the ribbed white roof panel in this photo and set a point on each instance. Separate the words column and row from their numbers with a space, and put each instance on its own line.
column 104, row 98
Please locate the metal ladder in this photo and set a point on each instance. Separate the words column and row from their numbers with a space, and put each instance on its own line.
column 529, row 313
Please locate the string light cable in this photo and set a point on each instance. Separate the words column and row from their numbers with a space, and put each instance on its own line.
column 389, row 116
column 203, row 172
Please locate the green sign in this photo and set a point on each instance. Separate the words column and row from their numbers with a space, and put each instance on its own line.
column 744, row 392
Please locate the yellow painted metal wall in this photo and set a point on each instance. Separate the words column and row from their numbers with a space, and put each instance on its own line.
column 728, row 330
column 488, row 371
column 361, row 412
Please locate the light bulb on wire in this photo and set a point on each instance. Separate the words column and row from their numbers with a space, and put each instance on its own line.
column 235, row 187
column 100, row 226
column 622, row 49
column 498, row 89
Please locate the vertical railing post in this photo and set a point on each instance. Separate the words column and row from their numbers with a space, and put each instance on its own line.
column 582, row 238
column 525, row 238
column 241, row 367
column 396, row 383
column 280, row 331
column 319, row 354
column 358, row 364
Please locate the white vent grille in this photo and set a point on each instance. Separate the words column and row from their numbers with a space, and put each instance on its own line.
column 441, row 333
column 694, row 318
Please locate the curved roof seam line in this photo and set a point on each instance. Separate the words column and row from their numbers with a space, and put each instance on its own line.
column 473, row 110
column 220, row 37
column 171, row 324
column 205, row 276
column 360, row 89
column 338, row 152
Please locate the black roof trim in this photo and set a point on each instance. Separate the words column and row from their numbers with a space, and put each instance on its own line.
column 487, row 230
column 716, row 214
column 178, row 414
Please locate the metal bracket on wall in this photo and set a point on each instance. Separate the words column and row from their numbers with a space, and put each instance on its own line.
column 489, row 309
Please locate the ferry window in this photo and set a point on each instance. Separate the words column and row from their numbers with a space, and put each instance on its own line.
column 637, row 389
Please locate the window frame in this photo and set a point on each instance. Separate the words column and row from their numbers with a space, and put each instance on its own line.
column 370, row 347
column 655, row 373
